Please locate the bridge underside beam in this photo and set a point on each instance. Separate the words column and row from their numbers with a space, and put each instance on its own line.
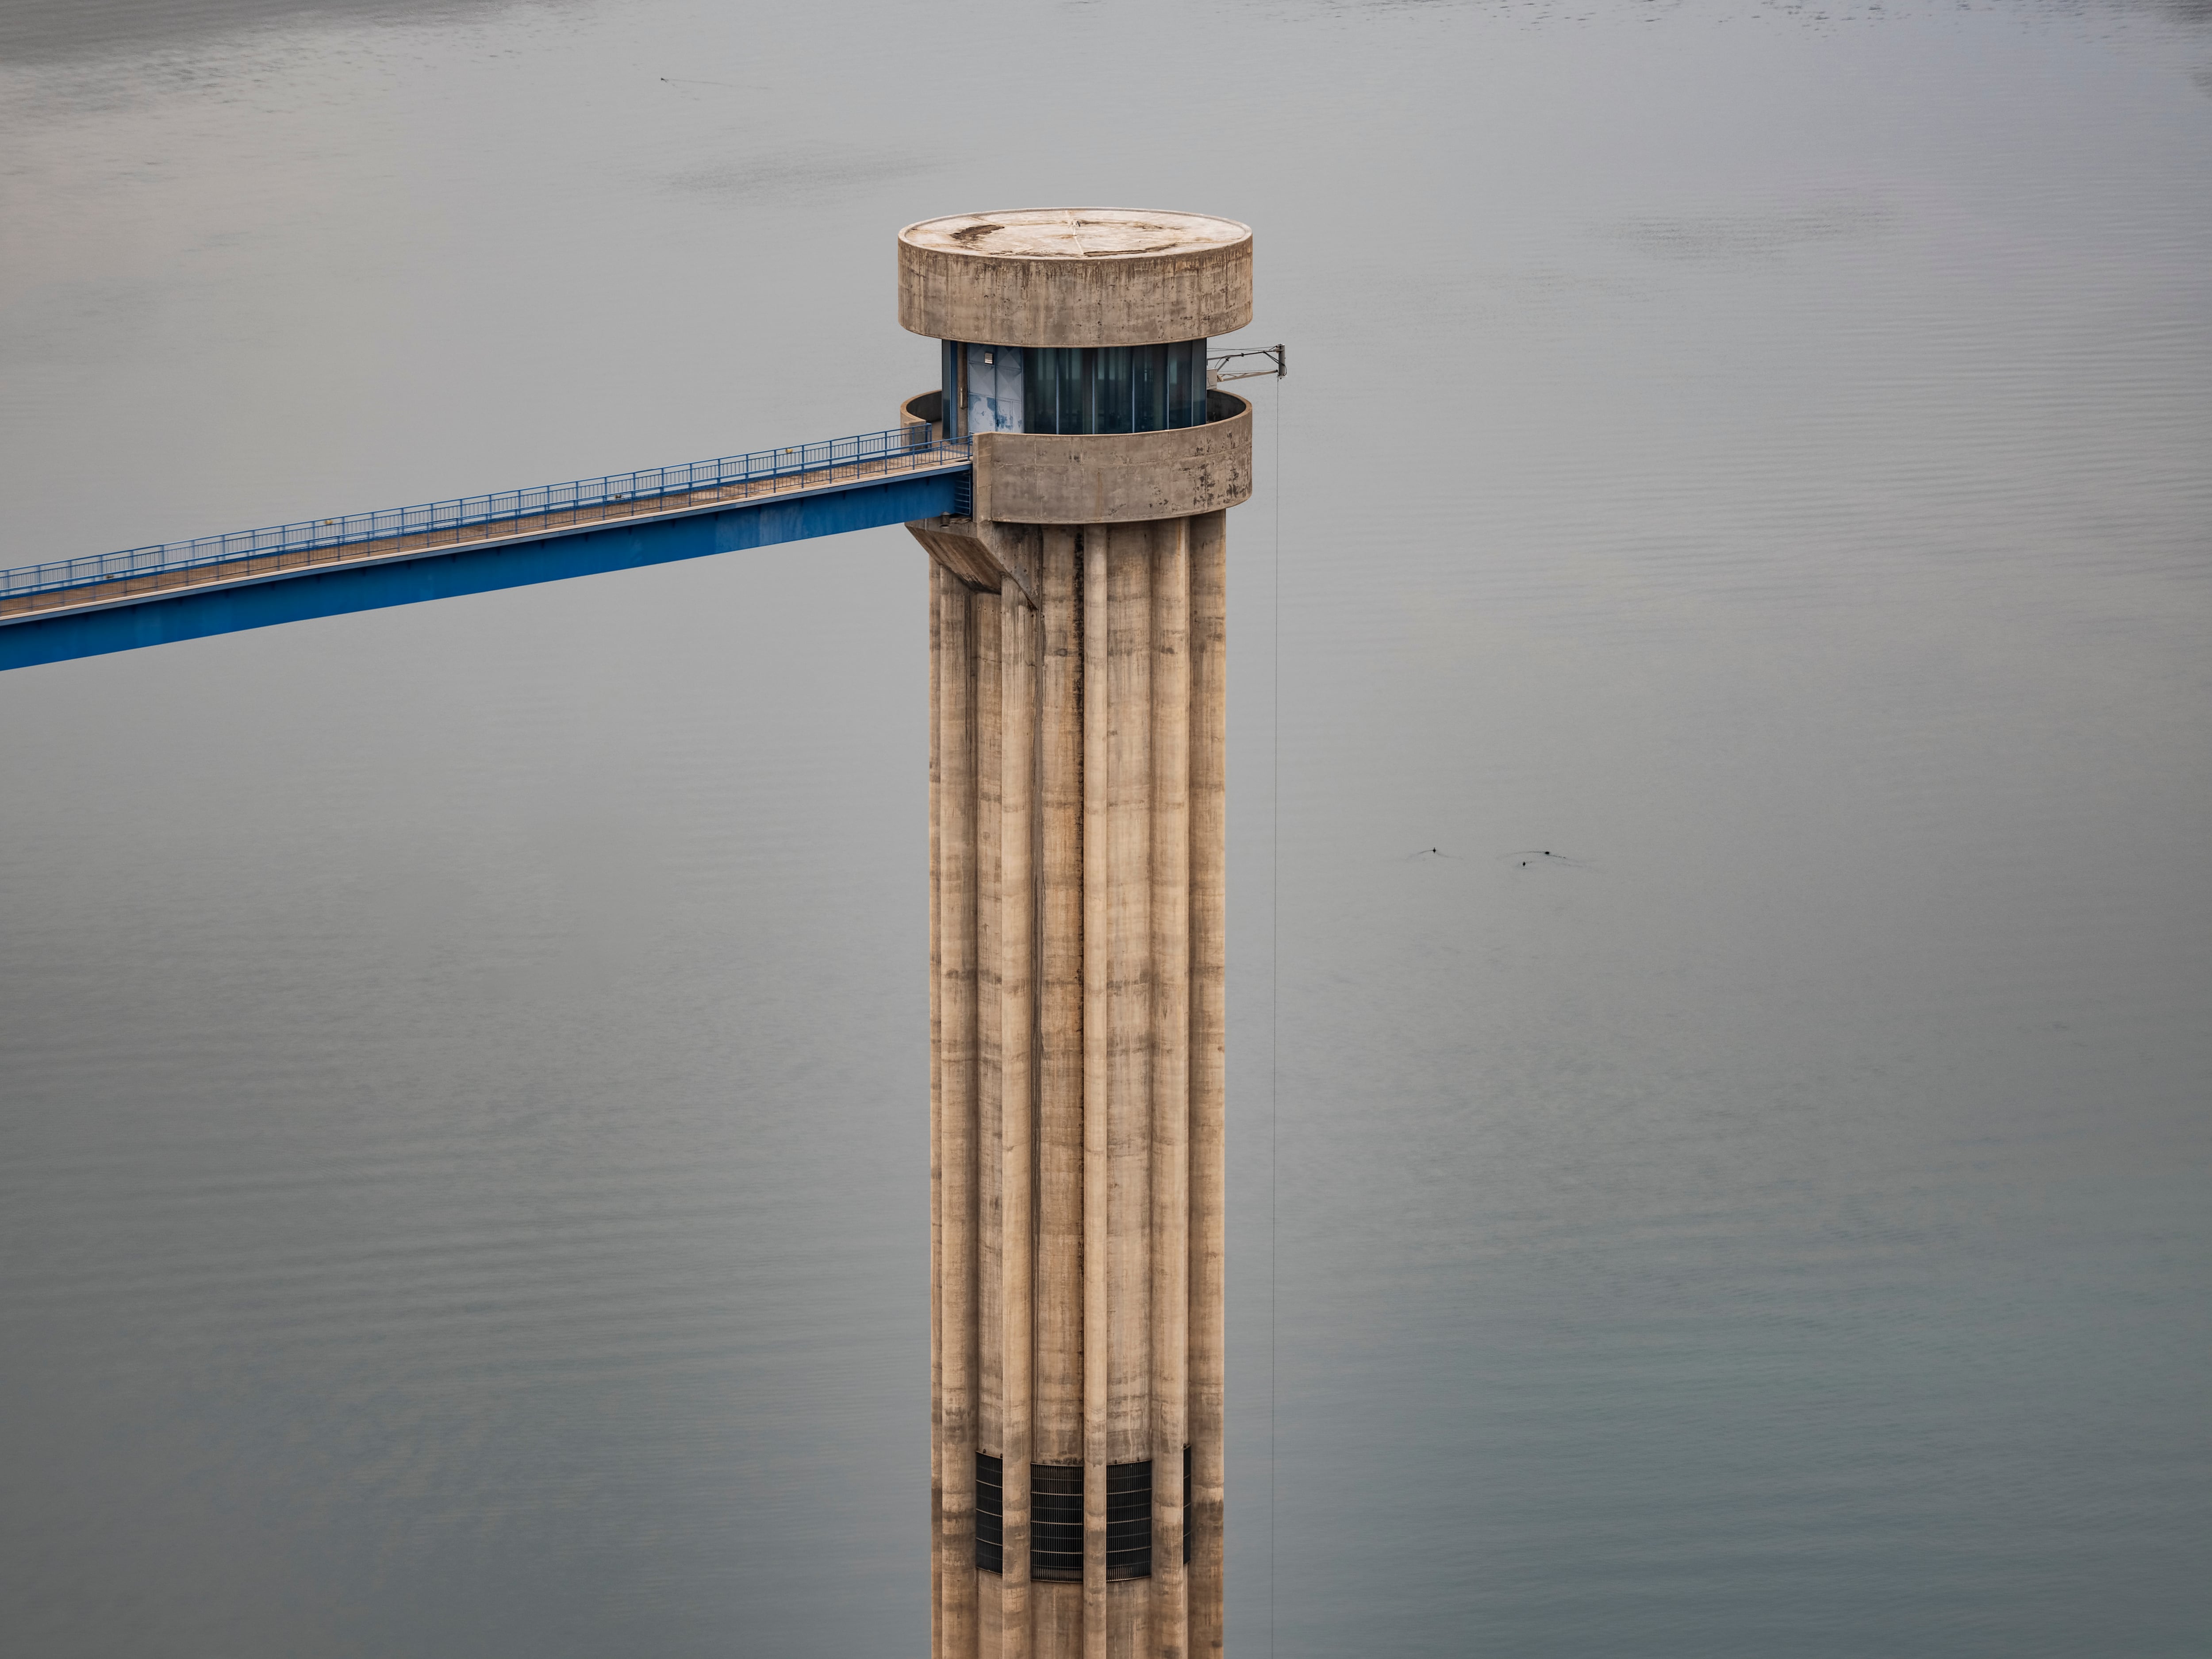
column 333, row 591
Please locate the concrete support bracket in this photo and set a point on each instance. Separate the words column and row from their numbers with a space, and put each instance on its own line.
column 983, row 554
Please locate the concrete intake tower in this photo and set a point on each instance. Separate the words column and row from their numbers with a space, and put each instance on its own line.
column 1076, row 788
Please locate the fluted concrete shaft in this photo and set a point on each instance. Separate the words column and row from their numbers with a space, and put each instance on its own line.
column 1077, row 1107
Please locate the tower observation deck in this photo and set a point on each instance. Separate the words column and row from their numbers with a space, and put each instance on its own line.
column 1077, row 645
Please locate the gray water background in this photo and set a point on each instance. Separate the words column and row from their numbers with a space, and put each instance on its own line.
column 462, row 1113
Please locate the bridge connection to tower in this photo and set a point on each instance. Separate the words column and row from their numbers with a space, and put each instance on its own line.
column 1070, row 476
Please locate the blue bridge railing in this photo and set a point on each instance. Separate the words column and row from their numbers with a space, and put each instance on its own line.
column 911, row 448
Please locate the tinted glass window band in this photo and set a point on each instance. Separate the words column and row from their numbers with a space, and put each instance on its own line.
column 1074, row 390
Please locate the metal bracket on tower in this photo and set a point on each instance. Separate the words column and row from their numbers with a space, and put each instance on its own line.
column 1217, row 368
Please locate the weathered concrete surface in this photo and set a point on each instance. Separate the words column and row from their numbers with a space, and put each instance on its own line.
column 984, row 554
column 1076, row 901
column 1035, row 477
column 1017, row 957
column 958, row 1269
column 1209, row 1093
column 1075, row 276
column 1079, row 688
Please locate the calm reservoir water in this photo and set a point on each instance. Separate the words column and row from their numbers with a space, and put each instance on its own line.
column 1722, row 889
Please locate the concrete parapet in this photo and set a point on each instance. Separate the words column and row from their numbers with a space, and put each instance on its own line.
column 1034, row 478
column 1026, row 478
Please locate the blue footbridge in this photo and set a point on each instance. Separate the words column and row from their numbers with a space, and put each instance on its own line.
column 85, row 607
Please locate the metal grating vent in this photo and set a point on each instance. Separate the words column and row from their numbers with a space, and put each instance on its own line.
column 1129, row 1520
column 1056, row 1523
column 990, row 1513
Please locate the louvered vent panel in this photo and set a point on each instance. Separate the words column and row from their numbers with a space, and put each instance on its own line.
column 1056, row 1523
column 990, row 1513
column 1129, row 1520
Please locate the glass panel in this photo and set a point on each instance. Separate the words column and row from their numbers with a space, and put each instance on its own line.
column 1040, row 389
column 1070, row 390
column 1077, row 387
column 1111, row 412
column 949, row 386
column 1148, row 374
column 1179, row 383
column 1070, row 374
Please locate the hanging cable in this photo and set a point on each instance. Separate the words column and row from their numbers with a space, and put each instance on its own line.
column 1274, row 975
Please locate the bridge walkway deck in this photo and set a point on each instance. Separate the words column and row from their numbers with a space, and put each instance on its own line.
column 46, row 590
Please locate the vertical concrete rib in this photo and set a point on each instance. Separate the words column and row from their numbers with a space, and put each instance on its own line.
column 985, row 611
column 1098, row 1006
column 956, row 1045
column 1061, row 1059
column 937, row 581
column 1171, row 1091
column 1129, row 1100
column 1209, row 687
column 1018, row 646
column 1059, row 1378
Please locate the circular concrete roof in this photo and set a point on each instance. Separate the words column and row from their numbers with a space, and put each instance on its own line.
column 1075, row 233
column 1075, row 276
